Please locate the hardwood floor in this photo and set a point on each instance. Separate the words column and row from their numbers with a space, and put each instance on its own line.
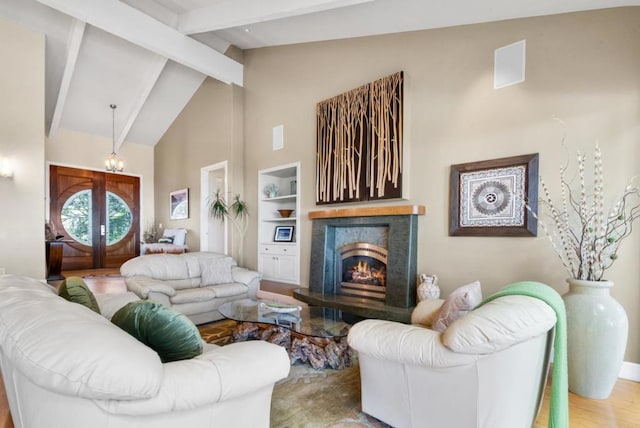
column 98, row 280
column 620, row 410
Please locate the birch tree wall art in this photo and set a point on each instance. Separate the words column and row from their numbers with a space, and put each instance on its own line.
column 359, row 143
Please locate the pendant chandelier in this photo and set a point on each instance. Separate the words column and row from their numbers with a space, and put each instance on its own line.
column 113, row 163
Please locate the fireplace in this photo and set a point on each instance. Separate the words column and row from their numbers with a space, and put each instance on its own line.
column 361, row 270
column 363, row 261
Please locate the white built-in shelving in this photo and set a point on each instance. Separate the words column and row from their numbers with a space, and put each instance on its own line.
column 279, row 260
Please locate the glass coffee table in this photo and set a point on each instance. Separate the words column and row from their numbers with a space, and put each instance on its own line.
column 313, row 334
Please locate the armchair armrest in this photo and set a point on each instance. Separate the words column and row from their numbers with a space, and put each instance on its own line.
column 405, row 344
column 220, row 374
column 143, row 285
column 248, row 277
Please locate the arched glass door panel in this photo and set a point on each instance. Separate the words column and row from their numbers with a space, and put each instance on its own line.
column 119, row 218
column 76, row 217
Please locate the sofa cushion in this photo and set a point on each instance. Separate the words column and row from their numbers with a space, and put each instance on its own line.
column 75, row 290
column 499, row 324
column 228, row 290
column 192, row 295
column 216, row 271
column 157, row 266
column 110, row 303
column 457, row 304
column 171, row 334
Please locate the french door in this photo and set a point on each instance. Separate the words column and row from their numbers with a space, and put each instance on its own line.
column 99, row 215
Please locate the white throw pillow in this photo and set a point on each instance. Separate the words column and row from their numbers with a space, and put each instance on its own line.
column 457, row 304
column 216, row 271
column 178, row 235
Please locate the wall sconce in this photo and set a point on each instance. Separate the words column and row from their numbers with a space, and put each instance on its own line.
column 6, row 169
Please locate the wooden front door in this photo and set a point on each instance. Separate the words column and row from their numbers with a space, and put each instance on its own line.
column 99, row 215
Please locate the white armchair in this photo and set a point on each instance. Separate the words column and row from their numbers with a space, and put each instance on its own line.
column 487, row 369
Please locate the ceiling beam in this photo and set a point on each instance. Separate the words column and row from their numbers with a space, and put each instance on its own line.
column 140, row 29
column 73, row 48
column 149, row 82
column 235, row 13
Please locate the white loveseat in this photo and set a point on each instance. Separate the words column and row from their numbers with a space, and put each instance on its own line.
column 65, row 366
column 195, row 284
column 488, row 369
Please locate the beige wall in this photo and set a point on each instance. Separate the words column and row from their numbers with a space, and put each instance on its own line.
column 22, row 140
column 581, row 68
column 87, row 151
column 208, row 131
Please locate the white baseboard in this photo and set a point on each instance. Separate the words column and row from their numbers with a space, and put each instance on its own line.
column 630, row 371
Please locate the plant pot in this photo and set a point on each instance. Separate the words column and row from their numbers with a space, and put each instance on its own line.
column 597, row 328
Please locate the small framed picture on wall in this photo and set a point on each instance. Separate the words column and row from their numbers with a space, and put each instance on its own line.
column 283, row 234
column 179, row 204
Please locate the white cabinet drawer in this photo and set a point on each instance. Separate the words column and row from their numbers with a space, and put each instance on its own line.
column 277, row 250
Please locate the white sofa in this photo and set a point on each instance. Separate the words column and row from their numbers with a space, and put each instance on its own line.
column 65, row 366
column 185, row 282
column 487, row 369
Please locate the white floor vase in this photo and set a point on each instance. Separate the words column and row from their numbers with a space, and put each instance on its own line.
column 597, row 329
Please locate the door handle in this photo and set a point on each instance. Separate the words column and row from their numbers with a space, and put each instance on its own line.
column 103, row 230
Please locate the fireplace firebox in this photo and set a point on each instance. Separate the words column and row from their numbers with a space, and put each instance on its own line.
column 361, row 270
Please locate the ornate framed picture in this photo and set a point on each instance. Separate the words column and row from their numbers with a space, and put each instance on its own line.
column 179, row 204
column 283, row 234
column 494, row 197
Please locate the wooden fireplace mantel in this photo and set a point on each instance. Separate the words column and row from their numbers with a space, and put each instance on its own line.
column 369, row 211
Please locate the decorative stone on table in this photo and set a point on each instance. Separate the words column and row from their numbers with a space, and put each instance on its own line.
column 320, row 353
column 336, row 355
column 245, row 331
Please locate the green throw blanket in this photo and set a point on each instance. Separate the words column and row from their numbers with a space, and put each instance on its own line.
column 559, row 406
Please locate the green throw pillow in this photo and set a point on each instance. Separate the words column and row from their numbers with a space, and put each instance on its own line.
column 75, row 290
column 168, row 332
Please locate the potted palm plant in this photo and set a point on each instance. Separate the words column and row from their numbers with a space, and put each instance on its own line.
column 587, row 237
column 237, row 212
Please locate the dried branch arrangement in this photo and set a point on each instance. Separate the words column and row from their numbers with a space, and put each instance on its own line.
column 585, row 237
column 359, row 143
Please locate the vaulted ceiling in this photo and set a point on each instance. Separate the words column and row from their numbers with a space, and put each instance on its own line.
column 149, row 56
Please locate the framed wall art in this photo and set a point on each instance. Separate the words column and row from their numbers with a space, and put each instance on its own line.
column 494, row 197
column 179, row 204
column 283, row 234
column 359, row 145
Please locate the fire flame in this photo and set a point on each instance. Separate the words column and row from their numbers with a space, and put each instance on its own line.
column 362, row 272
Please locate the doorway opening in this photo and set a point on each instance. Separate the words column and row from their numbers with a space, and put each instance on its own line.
column 214, row 234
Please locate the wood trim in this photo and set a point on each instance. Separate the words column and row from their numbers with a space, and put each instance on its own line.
column 369, row 211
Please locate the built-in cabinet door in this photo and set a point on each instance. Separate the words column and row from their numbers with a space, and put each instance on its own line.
column 286, row 267
column 267, row 264
column 278, row 267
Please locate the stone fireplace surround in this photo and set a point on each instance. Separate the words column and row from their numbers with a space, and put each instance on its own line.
column 401, row 223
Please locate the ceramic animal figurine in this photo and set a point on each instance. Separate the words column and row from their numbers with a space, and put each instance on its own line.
column 428, row 287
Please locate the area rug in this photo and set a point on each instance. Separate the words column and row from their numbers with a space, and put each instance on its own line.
column 308, row 398
column 218, row 332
